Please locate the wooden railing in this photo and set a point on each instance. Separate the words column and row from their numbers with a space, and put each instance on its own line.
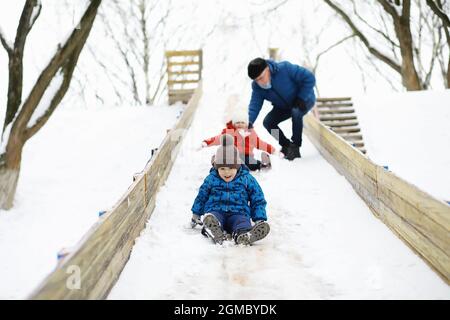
column 184, row 71
column 93, row 268
column 422, row 221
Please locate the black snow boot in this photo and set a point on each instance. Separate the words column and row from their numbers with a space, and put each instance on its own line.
column 293, row 152
column 259, row 231
column 284, row 150
column 212, row 228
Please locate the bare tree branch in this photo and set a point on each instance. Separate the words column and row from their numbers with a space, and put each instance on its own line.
column 437, row 9
column 393, row 64
column 65, row 55
column 15, row 81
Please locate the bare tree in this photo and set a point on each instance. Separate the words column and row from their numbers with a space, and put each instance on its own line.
column 19, row 126
column 439, row 8
column 395, row 39
column 136, row 29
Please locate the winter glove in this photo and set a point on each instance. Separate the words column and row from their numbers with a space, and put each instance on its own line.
column 195, row 220
column 300, row 104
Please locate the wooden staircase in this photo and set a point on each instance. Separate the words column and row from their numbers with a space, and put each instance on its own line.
column 339, row 115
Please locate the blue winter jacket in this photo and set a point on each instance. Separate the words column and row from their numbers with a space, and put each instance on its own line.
column 289, row 83
column 242, row 196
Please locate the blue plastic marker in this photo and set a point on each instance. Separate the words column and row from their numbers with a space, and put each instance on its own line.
column 100, row 213
column 386, row 168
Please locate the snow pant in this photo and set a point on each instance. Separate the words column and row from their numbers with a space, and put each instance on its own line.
column 232, row 222
column 277, row 115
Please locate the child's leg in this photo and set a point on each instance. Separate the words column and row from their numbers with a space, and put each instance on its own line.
column 243, row 232
column 237, row 222
column 213, row 226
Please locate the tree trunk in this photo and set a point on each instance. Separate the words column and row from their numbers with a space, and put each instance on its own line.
column 9, row 173
column 410, row 78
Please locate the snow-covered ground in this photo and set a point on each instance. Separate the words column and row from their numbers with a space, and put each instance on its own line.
column 409, row 133
column 80, row 163
column 324, row 243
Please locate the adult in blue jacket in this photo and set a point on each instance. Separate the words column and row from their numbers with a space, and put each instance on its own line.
column 290, row 89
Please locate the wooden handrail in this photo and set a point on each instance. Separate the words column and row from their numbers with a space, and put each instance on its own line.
column 419, row 219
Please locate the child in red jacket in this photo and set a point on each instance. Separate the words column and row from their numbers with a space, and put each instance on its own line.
column 245, row 140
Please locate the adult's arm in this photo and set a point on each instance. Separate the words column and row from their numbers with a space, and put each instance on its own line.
column 255, row 105
column 304, row 78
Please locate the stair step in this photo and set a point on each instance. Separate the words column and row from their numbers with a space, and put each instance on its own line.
column 356, row 144
column 351, row 136
column 334, row 105
column 335, row 124
column 333, row 99
column 337, row 118
column 346, row 129
column 336, row 110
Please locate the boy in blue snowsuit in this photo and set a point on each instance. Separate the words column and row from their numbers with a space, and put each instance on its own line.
column 229, row 197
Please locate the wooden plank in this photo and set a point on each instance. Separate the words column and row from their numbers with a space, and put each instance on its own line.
column 333, row 99
column 337, row 118
column 181, row 91
column 179, row 73
column 437, row 210
column 182, row 81
column 351, row 136
column 432, row 255
column 336, row 124
column 356, row 144
column 336, row 110
column 346, row 130
column 103, row 252
column 183, row 53
column 334, row 106
column 182, row 63
column 420, row 220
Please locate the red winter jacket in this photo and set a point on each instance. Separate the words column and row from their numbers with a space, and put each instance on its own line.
column 245, row 145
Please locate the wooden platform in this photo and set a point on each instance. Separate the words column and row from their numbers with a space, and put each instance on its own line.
column 184, row 71
column 339, row 115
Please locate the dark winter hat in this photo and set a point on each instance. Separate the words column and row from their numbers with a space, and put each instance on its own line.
column 256, row 67
column 227, row 155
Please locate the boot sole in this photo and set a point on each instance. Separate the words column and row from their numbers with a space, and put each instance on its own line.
column 213, row 228
column 258, row 232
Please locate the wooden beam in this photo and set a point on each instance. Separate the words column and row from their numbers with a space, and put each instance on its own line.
column 179, row 53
